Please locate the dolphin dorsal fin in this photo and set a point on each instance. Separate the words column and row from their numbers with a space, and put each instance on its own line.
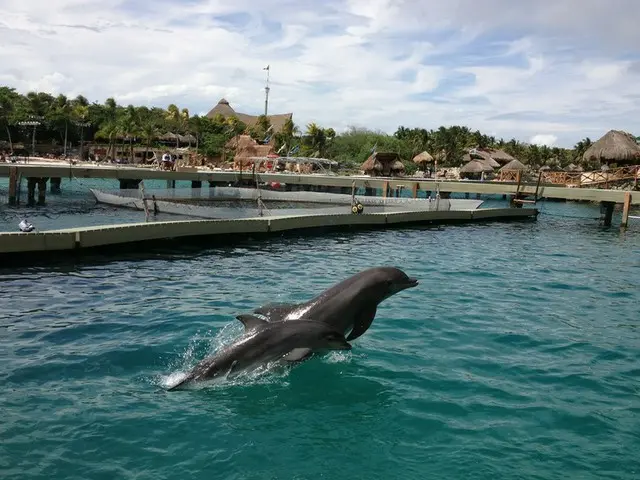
column 251, row 321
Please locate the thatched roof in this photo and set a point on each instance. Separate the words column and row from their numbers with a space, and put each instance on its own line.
column 483, row 157
column 475, row 166
column 615, row 146
column 171, row 137
column 245, row 147
column 423, row 157
column 501, row 156
column 371, row 163
column 224, row 108
column 513, row 165
column 398, row 165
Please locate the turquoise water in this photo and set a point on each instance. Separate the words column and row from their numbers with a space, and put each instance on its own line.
column 517, row 356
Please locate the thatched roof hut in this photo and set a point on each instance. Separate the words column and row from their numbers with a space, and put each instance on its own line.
column 614, row 147
column 423, row 158
column 513, row 165
column 398, row 167
column 246, row 147
column 381, row 163
column 224, row 108
column 500, row 156
column 475, row 166
column 482, row 156
column 371, row 165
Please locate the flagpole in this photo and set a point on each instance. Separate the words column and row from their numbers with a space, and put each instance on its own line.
column 266, row 90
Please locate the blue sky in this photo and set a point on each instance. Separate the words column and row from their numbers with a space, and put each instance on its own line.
column 541, row 71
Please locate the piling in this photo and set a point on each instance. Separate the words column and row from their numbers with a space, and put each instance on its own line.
column 128, row 183
column 625, row 209
column 196, row 185
column 13, row 185
column 54, row 186
column 31, row 191
column 606, row 211
column 42, row 191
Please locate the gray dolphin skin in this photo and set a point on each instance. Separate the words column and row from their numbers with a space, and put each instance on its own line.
column 263, row 342
column 349, row 306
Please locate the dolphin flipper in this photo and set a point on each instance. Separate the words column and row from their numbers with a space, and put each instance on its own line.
column 362, row 323
column 275, row 311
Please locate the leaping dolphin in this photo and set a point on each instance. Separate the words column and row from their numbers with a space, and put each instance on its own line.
column 349, row 306
column 263, row 342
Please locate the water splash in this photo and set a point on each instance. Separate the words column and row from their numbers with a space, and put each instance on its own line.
column 202, row 346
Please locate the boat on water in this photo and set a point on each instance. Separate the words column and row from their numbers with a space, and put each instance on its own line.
column 184, row 202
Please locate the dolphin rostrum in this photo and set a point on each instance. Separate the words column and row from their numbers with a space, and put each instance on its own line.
column 263, row 342
column 349, row 306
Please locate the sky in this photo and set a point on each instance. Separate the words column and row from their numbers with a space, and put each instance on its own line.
column 542, row 71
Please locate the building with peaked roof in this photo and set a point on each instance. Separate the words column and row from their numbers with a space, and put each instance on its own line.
column 615, row 147
column 223, row 108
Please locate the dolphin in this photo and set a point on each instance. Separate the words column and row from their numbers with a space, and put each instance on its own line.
column 263, row 342
column 349, row 306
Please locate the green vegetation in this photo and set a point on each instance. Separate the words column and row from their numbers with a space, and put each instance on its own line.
column 63, row 121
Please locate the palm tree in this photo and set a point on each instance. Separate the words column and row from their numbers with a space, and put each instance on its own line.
column 8, row 103
column 148, row 127
column 63, row 111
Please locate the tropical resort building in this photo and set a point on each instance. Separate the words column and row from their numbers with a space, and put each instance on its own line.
column 383, row 164
column 615, row 149
column 224, row 108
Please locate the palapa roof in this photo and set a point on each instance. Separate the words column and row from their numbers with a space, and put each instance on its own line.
column 573, row 168
column 371, row 163
column 492, row 156
column 171, row 137
column 501, row 156
column 483, row 157
column 513, row 165
column 377, row 160
column 615, row 146
column 475, row 166
column 246, row 147
column 423, row 157
column 398, row 165
column 224, row 108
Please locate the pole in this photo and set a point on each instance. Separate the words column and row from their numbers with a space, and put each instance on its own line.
column 266, row 90
column 625, row 209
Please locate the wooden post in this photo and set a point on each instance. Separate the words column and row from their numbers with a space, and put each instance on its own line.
column 55, row 184
column 625, row 209
column 31, row 191
column 606, row 208
column 42, row 190
column 196, row 185
column 13, row 185
column 385, row 189
column 414, row 190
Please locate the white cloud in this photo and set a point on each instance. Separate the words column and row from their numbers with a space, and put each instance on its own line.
column 565, row 67
column 544, row 139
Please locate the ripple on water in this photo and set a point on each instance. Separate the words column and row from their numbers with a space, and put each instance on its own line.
column 515, row 357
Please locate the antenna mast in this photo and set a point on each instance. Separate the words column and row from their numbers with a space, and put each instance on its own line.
column 266, row 90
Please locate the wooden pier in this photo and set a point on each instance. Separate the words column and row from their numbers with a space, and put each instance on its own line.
column 129, row 175
column 15, row 246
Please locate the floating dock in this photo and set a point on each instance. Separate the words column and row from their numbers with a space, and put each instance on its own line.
column 81, row 239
